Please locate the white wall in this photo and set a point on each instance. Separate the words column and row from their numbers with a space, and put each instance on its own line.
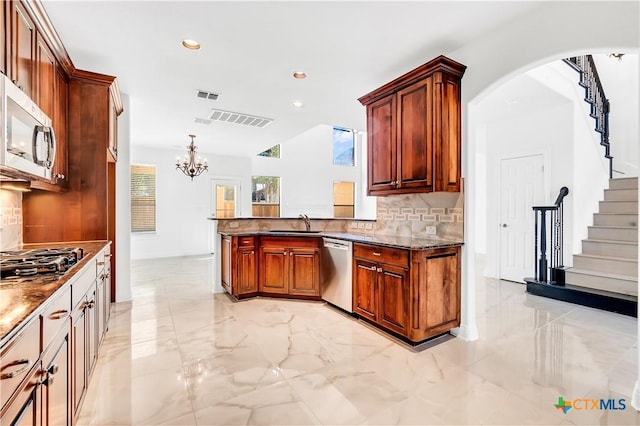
column 123, row 206
column 182, row 205
column 620, row 83
column 548, row 33
column 307, row 173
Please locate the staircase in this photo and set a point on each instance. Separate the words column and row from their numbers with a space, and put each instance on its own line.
column 608, row 264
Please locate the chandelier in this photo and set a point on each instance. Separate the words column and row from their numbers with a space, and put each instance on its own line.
column 189, row 166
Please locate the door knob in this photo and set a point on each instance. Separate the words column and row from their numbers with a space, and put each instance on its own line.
column 504, row 225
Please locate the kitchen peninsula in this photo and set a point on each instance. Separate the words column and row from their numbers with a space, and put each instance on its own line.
column 407, row 286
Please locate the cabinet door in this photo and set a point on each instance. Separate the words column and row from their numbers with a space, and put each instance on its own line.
column 45, row 74
column 60, row 167
column 415, row 141
column 304, row 271
column 3, row 37
column 57, row 381
column 113, row 130
column 447, row 134
column 443, row 288
column 25, row 409
column 21, row 54
column 273, row 270
column 247, row 276
column 381, row 136
column 79, row 355
column 225, row 264
column 394, row 298
column 365, row 277
column 92, row 327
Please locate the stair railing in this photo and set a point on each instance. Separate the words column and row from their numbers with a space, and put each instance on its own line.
column 549, row 226
column 595, row 97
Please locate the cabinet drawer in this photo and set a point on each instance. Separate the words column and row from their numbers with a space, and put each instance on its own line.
column 386, row 255
column 80, row 286
column 102, row 260
column 16, row 361
column 54, row 317
column 246, row 241
column 291, row 242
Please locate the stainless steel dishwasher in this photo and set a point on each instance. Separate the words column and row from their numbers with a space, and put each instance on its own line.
column 337, row 268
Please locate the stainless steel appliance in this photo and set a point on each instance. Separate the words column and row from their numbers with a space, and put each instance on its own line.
column 28, row 140
column 338, row 258
column 21, row 265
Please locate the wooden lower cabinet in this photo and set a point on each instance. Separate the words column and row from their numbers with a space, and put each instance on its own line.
column 25, row 407
column 56, row 378
column 290, row 266
column 239, row 272
column 414, row 293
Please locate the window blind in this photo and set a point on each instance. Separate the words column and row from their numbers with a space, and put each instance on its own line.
column 143, row 198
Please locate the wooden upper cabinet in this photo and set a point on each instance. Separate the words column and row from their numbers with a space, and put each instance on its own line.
column 4, row 25
column 45, row 75
column 414, row 139
column 22, row 53
column 60, row 113
column 381, row 121
column 413, row 131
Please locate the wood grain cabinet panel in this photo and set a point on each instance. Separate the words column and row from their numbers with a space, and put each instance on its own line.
column 304, row 271
column 381, row 130
column 274, row 268
column 415, row 294
column 394, row 298
column 22, row 55
column 365, row 284
column 413, row 131
column 45, row 74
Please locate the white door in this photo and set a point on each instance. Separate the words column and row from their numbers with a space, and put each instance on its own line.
column 521, row 188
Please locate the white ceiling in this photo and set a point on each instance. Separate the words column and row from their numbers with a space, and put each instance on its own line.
column 249, row 51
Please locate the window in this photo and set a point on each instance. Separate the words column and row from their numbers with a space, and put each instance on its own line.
column 265, row 196
column 273, row 152
column 343, row 199
column 343, row 147
column 143, row 198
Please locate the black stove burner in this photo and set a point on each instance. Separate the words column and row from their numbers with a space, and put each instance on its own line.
column 36, row 262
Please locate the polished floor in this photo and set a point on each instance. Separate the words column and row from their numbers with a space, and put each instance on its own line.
column 179, row 355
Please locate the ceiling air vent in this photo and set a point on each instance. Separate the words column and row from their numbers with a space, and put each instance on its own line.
column 202, row 121
column 203, row 94
column 239, row 118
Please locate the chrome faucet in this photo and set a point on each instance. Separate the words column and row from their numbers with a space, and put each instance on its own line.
column 306, row 220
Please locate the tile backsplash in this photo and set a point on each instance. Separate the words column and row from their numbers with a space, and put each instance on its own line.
column 10, row 219
column 410, row 214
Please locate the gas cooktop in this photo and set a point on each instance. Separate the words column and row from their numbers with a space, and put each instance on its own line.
column 38, row 262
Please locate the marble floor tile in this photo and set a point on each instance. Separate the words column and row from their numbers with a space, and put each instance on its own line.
column 179, row 355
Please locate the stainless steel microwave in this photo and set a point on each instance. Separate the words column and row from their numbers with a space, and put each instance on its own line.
column 28, row 140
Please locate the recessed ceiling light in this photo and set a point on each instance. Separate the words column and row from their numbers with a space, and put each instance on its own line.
column 191, row 44
column 300, row 75
column 297, row 104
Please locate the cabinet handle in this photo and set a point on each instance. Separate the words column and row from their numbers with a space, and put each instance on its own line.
column 53, row 369
column 48, row 381
column 59, row 314
column 368, row 268
column 59, row 176
column 108, row 255
column 91, row 304
column 290, row 253
column 100, row 263
column 377, row 254
column 379, row 269
column 24, row 362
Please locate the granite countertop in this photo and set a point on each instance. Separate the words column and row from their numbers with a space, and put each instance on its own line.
column 21, row 298
column 409, row 243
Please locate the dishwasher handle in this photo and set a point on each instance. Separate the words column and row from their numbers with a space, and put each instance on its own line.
column 337, row 246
